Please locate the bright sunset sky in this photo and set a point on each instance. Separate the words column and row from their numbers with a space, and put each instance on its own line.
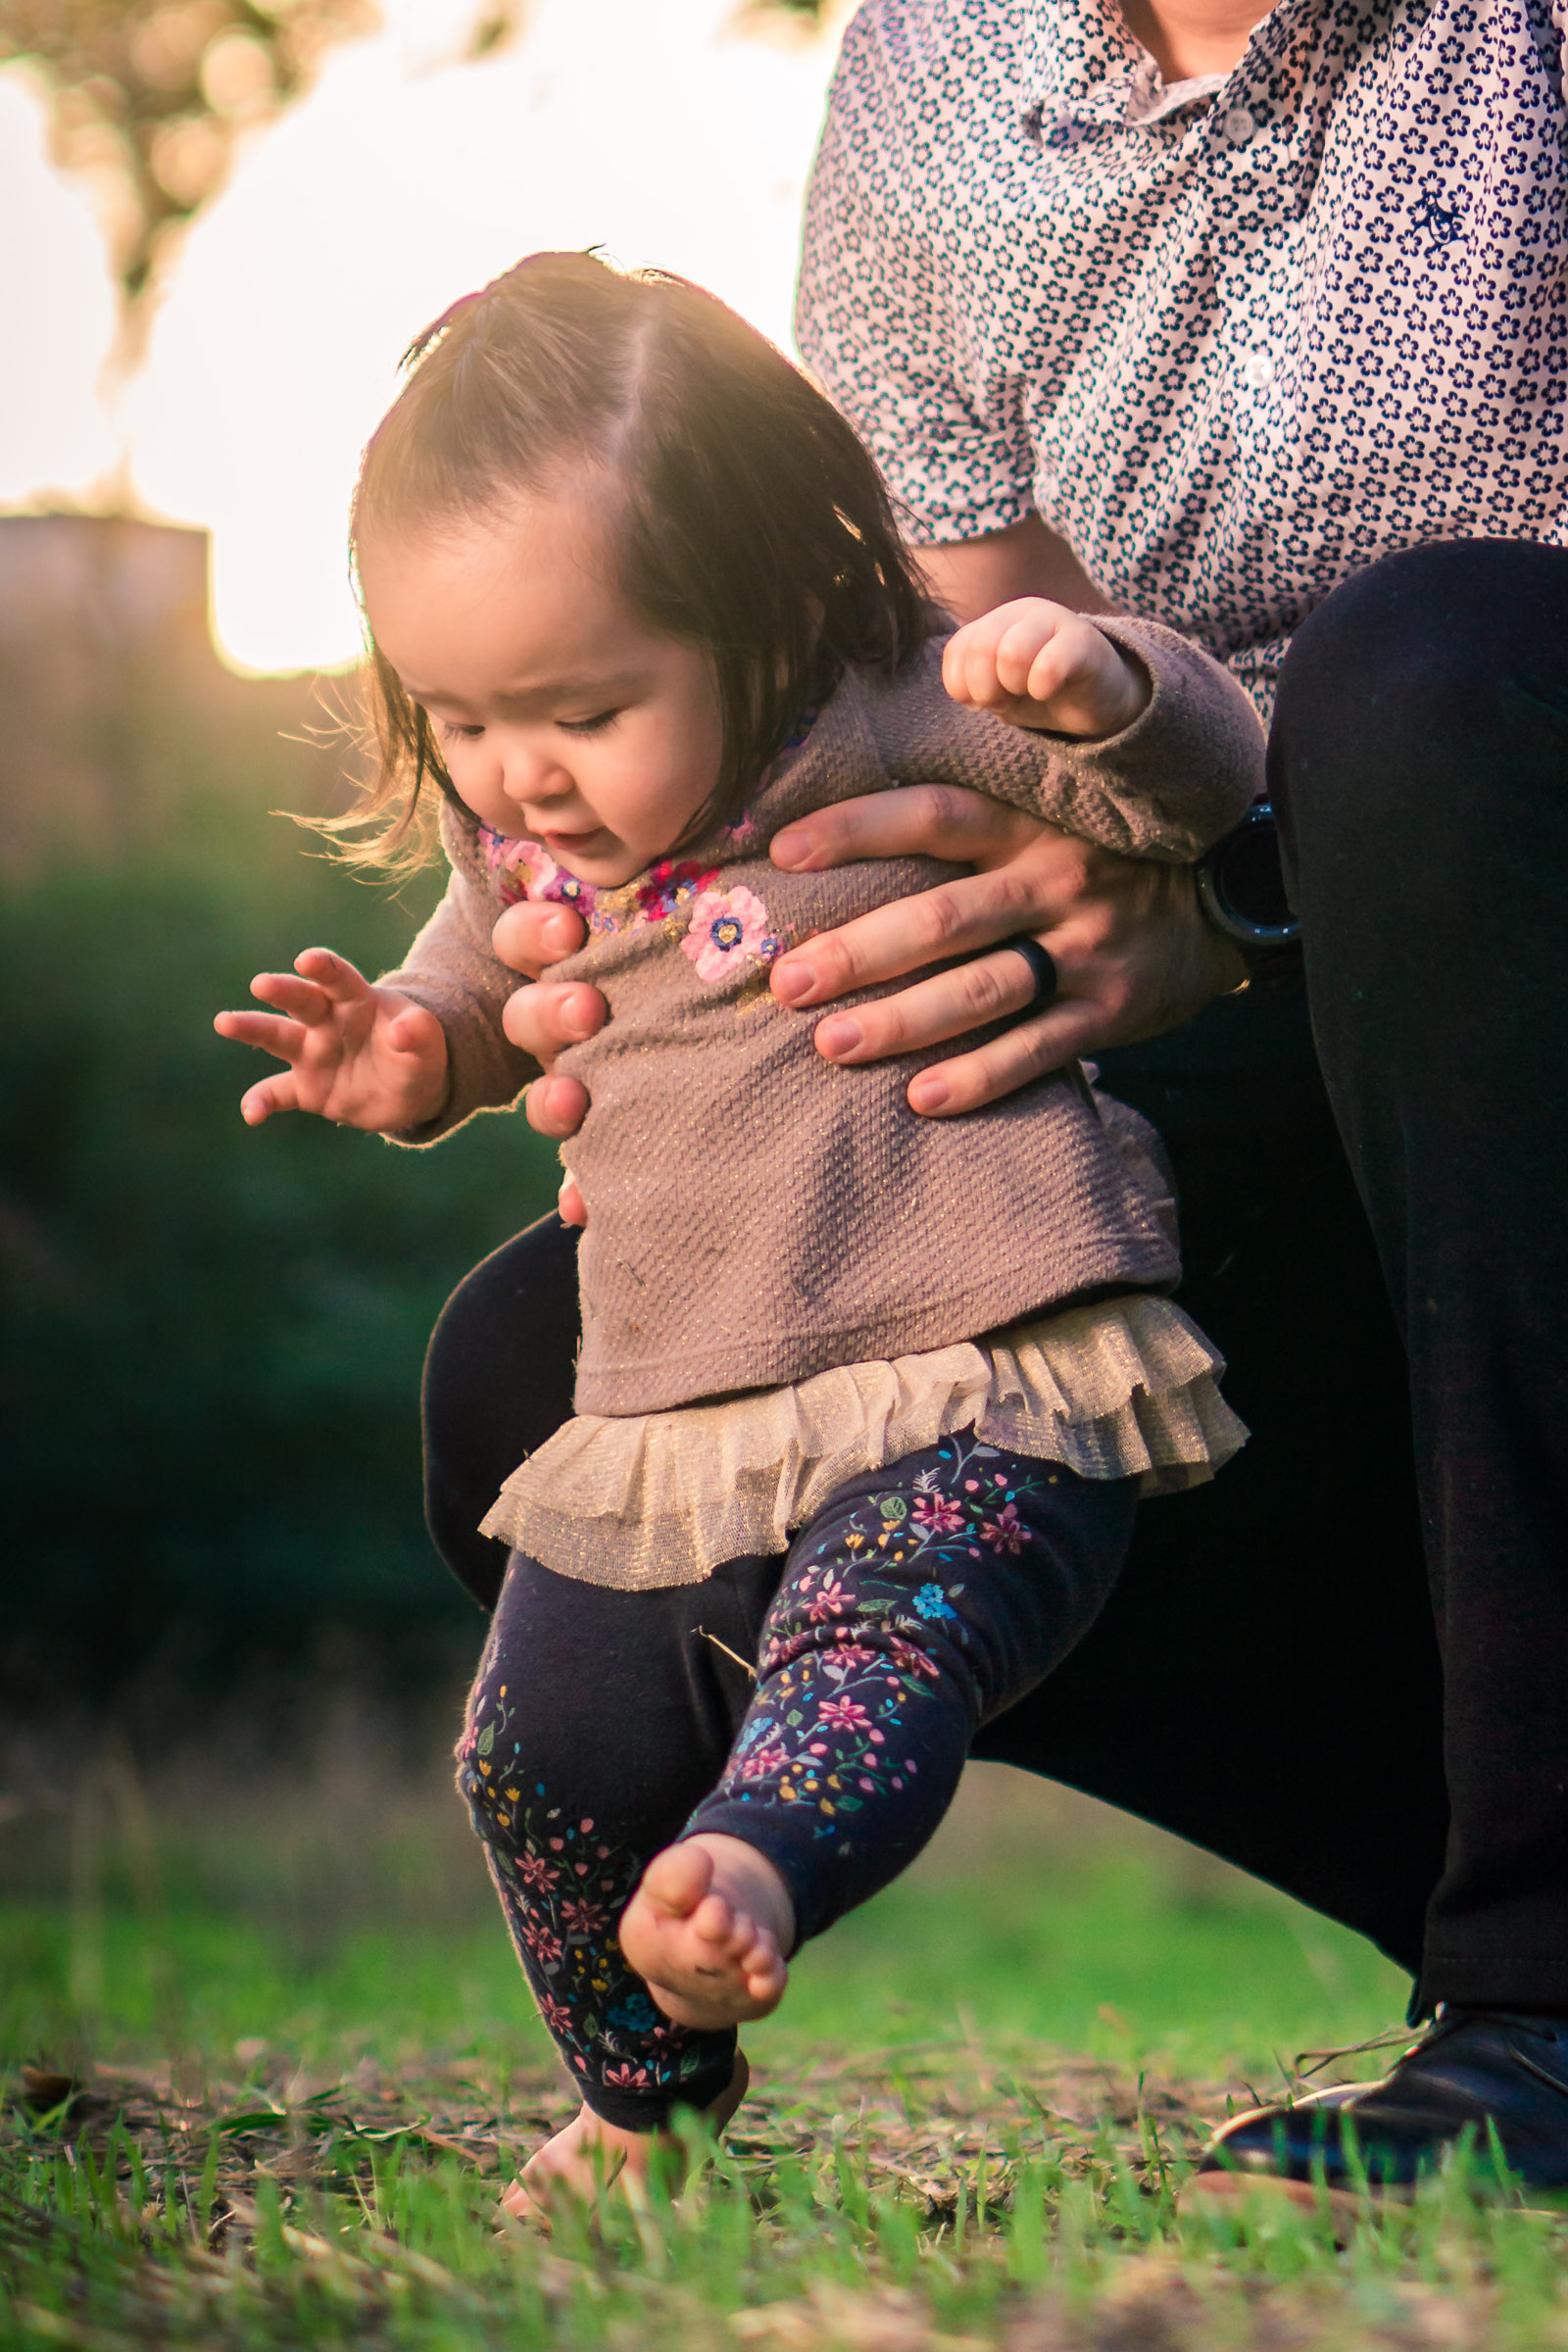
column 666, row 130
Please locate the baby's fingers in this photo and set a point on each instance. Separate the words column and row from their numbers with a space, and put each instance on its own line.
column 417, row 1031
column 301, row 1000
column 969, row 660
column 1038, row 647
column 333, row 974
column 285, row 1038
column 259, row 1103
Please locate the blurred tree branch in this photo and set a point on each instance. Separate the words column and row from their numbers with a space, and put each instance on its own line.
column 150, row 97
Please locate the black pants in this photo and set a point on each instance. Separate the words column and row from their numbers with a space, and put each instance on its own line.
column 924, row 1600
column 1266, row 1677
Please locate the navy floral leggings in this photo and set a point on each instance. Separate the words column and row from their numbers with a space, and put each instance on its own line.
column 819, row 1706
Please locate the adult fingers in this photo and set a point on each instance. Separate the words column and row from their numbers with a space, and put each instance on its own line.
column 534, row 934
column 285, row 1038
column 260, row 1101
column 550, row 1015
column 556, row 1107
column 947, row 1004
column 999, row 1067
column 913, row 820
column 956, row 919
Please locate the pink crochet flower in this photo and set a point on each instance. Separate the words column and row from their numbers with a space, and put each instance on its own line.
column 521, row 868
column 728, row 928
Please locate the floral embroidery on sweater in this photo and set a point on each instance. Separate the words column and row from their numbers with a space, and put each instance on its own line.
column 522, row 869
column 728, row 931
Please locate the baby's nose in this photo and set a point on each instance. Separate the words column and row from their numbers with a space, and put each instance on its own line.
column 531, row 775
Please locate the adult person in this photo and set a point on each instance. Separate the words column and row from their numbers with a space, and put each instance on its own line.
column 1256, row 325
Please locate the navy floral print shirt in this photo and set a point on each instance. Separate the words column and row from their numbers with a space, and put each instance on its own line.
column 1233, row 340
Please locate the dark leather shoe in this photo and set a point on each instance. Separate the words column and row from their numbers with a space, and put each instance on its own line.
column 1477, row 2068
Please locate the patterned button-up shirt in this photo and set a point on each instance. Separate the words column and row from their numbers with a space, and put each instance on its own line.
column 1233, row 339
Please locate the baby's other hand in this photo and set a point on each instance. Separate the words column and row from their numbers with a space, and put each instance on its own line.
column 360, row 1056
column 1036, row 665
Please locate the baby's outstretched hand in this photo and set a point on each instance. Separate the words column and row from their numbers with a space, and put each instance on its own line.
column 1038, row 664
column 362, row 1056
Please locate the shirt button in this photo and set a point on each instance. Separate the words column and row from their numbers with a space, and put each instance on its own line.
column 1258, row 370
column 1240, row 126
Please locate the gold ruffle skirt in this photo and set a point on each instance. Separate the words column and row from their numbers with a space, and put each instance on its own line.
column 1124, row 1389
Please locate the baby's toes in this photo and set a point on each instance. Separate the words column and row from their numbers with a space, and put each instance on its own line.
column 760, row 1959
column 676, row 1882
column 715, row 1921
column 743, row 1934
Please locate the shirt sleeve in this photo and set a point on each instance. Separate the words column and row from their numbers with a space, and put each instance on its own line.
column 881, row 318
column 1166, row 788
column 452, row 970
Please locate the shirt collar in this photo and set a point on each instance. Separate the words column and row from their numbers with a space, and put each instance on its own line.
column 1081, row 65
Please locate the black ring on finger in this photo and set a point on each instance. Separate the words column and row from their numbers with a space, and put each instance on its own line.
column 1043, row 964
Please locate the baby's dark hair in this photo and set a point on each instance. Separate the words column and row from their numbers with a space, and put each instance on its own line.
column 749, row 519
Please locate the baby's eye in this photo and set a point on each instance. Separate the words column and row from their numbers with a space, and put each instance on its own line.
column 454, row 733
column 588, row 727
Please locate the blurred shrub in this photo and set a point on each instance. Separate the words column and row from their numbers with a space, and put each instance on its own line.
column 211, row 1336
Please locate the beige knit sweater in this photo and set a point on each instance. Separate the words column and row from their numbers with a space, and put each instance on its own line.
column 757, row 1215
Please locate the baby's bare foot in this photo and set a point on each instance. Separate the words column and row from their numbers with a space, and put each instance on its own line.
column 707, row 1929
column 591, row 2156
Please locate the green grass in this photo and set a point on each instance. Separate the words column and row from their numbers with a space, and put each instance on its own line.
column 296, row 2066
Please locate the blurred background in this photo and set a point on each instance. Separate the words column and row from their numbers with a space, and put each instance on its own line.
column 222, row 223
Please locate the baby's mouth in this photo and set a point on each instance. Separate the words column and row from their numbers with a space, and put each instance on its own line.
column 561, row 844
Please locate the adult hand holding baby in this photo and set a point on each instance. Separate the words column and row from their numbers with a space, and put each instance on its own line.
column 1133, row 955
column 548, row 1017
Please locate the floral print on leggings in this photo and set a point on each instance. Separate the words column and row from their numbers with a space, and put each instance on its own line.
column 923, row 1600
column 563, row 1889
column 867, row 1630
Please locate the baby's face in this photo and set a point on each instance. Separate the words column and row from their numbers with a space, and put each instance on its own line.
column 559, row 715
